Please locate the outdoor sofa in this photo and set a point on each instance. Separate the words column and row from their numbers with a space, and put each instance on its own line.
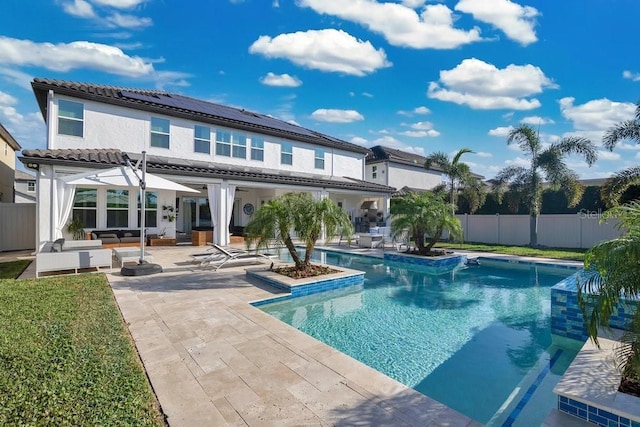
column 72, row 255
column 117, row 238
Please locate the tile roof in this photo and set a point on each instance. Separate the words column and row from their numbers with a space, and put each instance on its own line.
column 379, row 154
column 177, row 105
column 104, row 158
column 24, row 176
column 5, row 135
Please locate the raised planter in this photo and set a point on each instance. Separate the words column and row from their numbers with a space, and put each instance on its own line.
column 589, row 387
column 307, row 286
column 445, row 262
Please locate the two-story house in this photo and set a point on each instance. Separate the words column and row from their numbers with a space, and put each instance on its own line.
column 8, row 148
column 25, row 187
column 236, row 158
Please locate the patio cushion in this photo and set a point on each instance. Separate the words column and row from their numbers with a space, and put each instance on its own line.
column 57, row 245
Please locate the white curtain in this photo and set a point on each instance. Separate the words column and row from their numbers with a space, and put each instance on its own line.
column 212, row 192
column 231, row 195
column 64, row 202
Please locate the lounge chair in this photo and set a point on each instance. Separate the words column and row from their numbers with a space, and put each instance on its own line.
column 219, row 256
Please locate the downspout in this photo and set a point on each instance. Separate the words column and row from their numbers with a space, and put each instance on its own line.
column 52, row 187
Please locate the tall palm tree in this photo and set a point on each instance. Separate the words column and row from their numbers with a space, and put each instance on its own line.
column 615, row 186
column 612, row 271
column 460, row 175
column 546, row 163
column 424, row 214
column 302, row 214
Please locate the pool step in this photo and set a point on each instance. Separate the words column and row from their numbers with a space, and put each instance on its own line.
column 560, row 419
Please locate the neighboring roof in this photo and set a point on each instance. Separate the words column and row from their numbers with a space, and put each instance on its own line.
column 23, row 176
column 4, row 134
column 406, row 190
column 379, row 154
column 189, row 108
column 105, row 158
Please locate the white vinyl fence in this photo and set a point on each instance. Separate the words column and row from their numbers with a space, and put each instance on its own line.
column 17, row 226
column 581, row 230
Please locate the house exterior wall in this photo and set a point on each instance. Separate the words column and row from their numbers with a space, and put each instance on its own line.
column 23, row 194
column 7, row 171
column 415, row 177
column 109, row 126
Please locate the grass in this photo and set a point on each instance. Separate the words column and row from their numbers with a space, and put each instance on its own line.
column 13, row 269
column 66, row 357
column 556, row 253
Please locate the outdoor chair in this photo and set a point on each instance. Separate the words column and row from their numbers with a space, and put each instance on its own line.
column 219, row 256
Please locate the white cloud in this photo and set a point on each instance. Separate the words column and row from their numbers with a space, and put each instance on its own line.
column 631, row 76
column 399, row 24
column 421, row 133
column 537, row 120
column 413, row 4
column 484, row 86
column 336, row 116
column 68, row 56
column 516, row 21
column 128, row 21
column 281, row 80
column 391, row 142
column 596, row 115
column 6, row 99
column 518, row 161
column 501, row 131
column 608, row 155
column 483, row 154
column 79, row 8
column 119, row 4
column 422, row 126
column 422, row 110
column 367, row 95
column 16, row 77
column 317, row 49
column 359, row 141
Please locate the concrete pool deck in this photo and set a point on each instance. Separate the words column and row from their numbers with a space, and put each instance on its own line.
column 213, row 359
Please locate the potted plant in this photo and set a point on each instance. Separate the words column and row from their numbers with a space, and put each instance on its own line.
column 76, row 228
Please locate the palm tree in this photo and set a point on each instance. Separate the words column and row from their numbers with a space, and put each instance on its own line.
column 300, row 213
column 424, row 214
column 615, row 186
column 460, row 175
column 612, row 274
column 546, row 163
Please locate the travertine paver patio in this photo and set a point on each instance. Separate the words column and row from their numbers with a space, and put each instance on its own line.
column 215, row 360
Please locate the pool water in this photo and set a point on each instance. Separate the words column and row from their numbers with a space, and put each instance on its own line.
column 475, row 338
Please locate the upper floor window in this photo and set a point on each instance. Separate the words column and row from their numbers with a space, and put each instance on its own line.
column 374, row 172
column 286, row 153
column 118, row 208
column 239, row 145
column 257, row 149
column 160, row 132
column 231, row 144
column 319, row 157
column 70, row 118
column 202, row 139
column 84, row 206
column 223, row 143
column 6, row 148
column 31, row 186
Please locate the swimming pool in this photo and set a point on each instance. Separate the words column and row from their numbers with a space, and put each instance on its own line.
column 476, row 338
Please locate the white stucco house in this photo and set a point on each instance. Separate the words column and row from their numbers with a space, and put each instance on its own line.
column 235, row 159
column 8, row 148
column 25, row 187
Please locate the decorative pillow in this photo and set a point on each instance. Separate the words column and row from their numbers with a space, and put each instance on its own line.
column 94, row 236
column 108, row 236
column 128, row 234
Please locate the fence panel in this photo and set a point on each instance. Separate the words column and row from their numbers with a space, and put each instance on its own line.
column 556, row 231
column 17, row 226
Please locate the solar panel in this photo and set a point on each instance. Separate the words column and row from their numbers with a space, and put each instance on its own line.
column 208, row 108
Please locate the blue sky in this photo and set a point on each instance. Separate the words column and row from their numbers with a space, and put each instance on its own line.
column 421, row 76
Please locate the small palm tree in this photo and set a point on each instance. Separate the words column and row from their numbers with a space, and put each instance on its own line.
column 546, row 163
column 424, row 214
column 303, row 215
column 461, row 178
column 615, row 186
column 613, row 273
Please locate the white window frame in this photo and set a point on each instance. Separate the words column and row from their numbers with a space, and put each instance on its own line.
column 257, row 149
column 31, row 186
column 197, row 139
column 221, row 144
column 286, row 154
column 119, row 208
column 238, row 145
column 165, row 134
column 62, row 117
column 319, row 158
column 86, row 208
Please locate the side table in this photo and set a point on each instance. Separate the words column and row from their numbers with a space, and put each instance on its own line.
column 167, row 241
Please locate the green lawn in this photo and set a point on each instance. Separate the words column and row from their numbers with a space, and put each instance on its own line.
column 66, row 357
column 566, row 254
column 12, row 269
